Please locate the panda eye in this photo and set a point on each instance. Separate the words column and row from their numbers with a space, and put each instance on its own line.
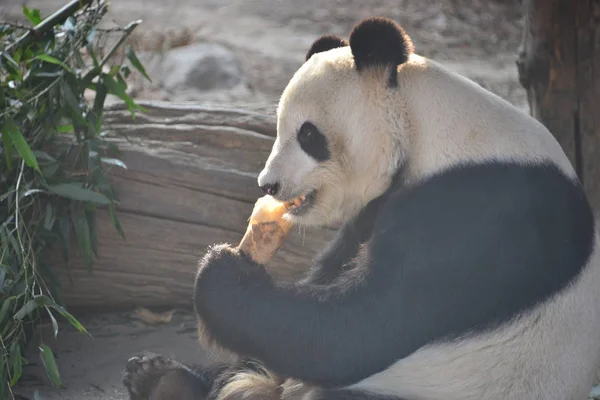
column 313, row 142
column 306, row 134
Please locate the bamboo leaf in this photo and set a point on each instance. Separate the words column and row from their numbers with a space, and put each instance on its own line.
column 5, row 305
column 11, row 129
column 65, row 128
column 52, row 60
column 136, row 62
column 17, row 365
column 43, row 301
column 7, row 150
column 73, row 104
column 54, row 323
column 72, row 320
column 25, row 310
column 114, row 220
column 42, row 155
column 116, row 88
column 91, row 222
column 82, row 233
column 75, row 191
column 33, row 15
column 49, row 217
column 113, row 161
column 2, row 278
column 30, row 192
column 50, row 365
column 3, row 388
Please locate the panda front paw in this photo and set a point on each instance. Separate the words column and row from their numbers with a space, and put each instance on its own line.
column 225, row 267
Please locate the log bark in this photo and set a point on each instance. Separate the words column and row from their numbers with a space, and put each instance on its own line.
column 190, row 182
column 559, row 66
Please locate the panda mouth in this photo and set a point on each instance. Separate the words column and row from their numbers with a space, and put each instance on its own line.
column 301, row 204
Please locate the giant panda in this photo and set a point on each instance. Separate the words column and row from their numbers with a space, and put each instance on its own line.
column 466, row 267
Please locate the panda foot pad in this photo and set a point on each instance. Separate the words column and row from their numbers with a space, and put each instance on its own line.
column 143, row 373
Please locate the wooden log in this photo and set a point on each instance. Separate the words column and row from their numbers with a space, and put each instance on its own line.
column 559, row 66
column 190, row 182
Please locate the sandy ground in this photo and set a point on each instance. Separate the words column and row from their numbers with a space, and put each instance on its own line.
column 478, row 38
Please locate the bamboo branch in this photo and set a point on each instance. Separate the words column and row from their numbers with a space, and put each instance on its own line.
column 49, row 23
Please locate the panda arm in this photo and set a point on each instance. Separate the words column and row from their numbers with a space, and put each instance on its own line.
column 464, row 251
column 337, row 256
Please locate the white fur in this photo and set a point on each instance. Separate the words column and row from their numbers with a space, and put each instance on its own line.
column 433, row 120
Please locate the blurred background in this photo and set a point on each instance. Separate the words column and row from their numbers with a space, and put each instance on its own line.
column 246, row 51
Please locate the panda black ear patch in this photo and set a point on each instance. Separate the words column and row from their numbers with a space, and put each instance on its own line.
column 379, row 41
column 325, row 43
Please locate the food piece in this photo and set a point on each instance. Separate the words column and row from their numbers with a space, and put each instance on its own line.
column 266, row 229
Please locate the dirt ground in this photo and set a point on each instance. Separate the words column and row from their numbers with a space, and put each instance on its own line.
column 478, row 38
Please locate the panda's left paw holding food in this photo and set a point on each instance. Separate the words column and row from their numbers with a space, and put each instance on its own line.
column 223, row 267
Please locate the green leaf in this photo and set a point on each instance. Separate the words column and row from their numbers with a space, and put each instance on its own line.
column 136, row 62
column 91, row 222
column 17, row 365
column 5, row 305
column 43, row 301
column 117, row 88
column 50, row 365
column 113, row 161
column 3, row 388
column 12, row 66
column 25, row 310
column 7, row 150
column 33, row 15
column 49, row 170
column 73, row 104
column 114, row 221
column 52, row 60
column 41, row 155
column 11, row 129
column 75, row 191
column 54, row 323
column 65, row 128
column 48, row 217
column 2, row 277
column 113, row 70
column 72, row 320
column 84, row 240
column 31, row 191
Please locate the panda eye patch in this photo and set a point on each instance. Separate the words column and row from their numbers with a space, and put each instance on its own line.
column 313, row 142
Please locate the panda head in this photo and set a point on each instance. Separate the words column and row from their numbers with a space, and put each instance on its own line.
column 337, row 144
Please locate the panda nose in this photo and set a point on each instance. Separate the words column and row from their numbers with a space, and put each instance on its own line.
column 270, row 188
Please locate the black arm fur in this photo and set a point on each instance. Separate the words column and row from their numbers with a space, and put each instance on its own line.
column 338, row 255
column 467, row 249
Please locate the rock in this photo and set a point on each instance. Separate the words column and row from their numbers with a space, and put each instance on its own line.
column 201, row 66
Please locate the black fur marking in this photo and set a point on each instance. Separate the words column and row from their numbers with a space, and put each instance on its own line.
column 462, row 252
column 336, row 257
column 379, row 41
column 313, row 142
column 325, row 43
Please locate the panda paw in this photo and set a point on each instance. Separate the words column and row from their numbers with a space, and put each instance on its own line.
column 225, row 263
column 143, row 373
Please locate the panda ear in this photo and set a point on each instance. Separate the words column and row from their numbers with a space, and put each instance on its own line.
column 379, row 41
column 325, row 43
